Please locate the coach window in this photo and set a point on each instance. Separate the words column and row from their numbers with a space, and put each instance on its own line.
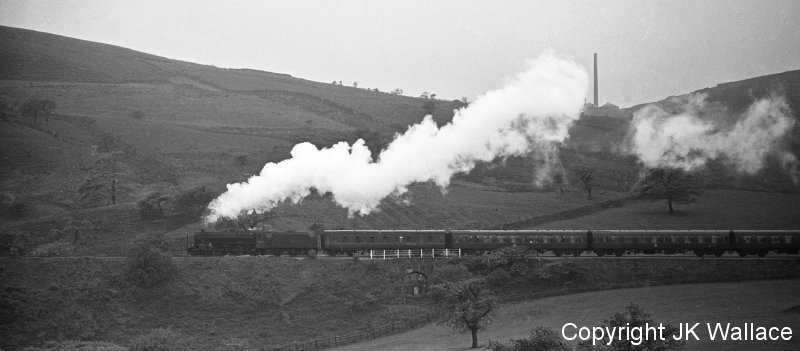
column 372, row 239
column 358, row 239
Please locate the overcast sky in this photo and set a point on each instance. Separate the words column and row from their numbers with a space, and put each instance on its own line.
column 647, row 50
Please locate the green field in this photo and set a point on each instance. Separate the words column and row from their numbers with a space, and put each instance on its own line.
column 767, row 303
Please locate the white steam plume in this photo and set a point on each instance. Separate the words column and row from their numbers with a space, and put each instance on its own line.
column 531, row 114
column 684, row 140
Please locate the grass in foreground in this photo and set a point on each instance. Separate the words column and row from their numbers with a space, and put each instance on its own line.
column 765, row 303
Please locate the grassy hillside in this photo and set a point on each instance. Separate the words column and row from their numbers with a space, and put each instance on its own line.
column 718, row 209
column 161, row 126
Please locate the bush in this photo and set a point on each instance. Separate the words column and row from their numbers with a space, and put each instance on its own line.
column 148, row 266
column 193, row 202
column 58, row 248
column 70, row 345
column 30, row 315
column 240, row 159
column 541, row 339
column 151, row 206
column 635, row 316
column 449, row 273
column 261, row 289
column 137, row 114
column 161, row 339
column 499, row 277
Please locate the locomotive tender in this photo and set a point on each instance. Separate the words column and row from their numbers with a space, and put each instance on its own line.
column 560, row 242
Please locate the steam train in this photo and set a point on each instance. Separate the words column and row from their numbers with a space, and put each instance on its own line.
column 559, row 242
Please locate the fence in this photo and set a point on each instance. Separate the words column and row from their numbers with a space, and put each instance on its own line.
column 415, row 253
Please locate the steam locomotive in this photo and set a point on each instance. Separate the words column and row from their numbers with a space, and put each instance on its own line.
column 560, row 242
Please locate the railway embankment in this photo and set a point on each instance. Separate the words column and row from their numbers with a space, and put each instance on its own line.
column 270, row 301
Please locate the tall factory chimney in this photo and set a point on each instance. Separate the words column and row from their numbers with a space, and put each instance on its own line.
column 595, row 80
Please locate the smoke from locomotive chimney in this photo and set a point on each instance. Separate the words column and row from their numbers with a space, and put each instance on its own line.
column 689, row 131
column 530, row 115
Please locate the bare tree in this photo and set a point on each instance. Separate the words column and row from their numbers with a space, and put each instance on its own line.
column 586, row 175
column 558, row 181
column 671, row 184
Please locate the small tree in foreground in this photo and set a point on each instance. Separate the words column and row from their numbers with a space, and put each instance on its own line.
column 465, row 305
column 541, row 339
column 671, row 184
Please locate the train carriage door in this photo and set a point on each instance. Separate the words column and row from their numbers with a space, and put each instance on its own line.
column 589, row 240
column 448, row 240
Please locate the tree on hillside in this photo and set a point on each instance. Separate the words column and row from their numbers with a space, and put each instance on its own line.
column 101, row 181
column 559, row 180
column 254, row 220
column 152, row 205
column 397, row 91
column 137, row 114
column 37, row 108
column 635, row 316
column 671, row 184
column 465, row 305
column 586, row 175
column 194, row 201
column 429, row 106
